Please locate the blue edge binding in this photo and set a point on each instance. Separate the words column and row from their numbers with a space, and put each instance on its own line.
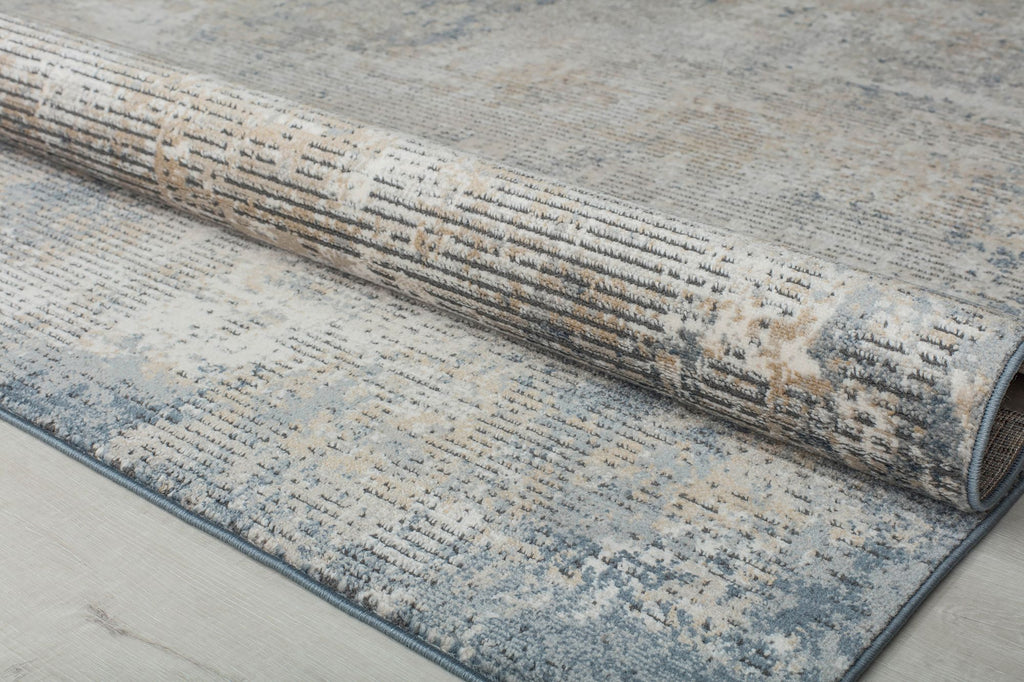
column 429, row 652
column 454, row 666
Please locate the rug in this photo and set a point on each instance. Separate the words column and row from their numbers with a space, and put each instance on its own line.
column 532, row 431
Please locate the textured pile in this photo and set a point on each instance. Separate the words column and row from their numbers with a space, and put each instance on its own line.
column 764, row 449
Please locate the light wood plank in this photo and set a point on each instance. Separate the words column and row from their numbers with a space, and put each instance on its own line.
column 97, row 583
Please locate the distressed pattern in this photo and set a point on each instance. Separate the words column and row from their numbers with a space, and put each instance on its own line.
column 531, row 519
column 883, row 378
column 883, row 138
column 525, row 515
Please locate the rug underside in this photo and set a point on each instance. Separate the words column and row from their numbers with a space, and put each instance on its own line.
column 644, row 480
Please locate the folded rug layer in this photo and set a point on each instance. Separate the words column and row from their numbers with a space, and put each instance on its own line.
column 901, row 382
column 507, row 514
column 503, row 512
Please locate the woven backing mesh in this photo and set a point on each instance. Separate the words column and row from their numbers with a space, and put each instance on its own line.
column 1006, row 440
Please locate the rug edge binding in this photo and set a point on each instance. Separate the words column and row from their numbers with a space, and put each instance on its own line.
column 415, row 644
column 435, row 655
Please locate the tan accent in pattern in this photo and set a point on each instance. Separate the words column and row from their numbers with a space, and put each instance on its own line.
column 864, row 370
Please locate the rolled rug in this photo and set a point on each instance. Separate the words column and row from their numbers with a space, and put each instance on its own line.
column 894, row 380
column 917, row 388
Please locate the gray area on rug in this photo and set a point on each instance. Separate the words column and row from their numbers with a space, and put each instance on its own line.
column 524, row 515
column 882, row 377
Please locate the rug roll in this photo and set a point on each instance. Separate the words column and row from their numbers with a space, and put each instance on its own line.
column 901, row 382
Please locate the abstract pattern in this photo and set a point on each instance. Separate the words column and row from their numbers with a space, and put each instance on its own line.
column 529, row 518
column 823, row 301
column 893, row 150
column 886, row 379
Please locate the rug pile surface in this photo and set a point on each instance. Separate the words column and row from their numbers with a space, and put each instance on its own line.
column 684, row 359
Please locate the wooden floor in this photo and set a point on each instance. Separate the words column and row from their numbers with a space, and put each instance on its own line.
column 96, row 583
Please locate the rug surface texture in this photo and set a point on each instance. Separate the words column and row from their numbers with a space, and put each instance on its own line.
column 557, row 341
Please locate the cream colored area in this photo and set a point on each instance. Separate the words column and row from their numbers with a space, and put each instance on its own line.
column 97, row 583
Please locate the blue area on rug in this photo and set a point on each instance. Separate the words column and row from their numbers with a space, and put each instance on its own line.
column 531, row 431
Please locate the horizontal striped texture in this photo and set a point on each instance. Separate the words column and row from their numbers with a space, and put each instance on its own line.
column 802, row 313
column 885, row 379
